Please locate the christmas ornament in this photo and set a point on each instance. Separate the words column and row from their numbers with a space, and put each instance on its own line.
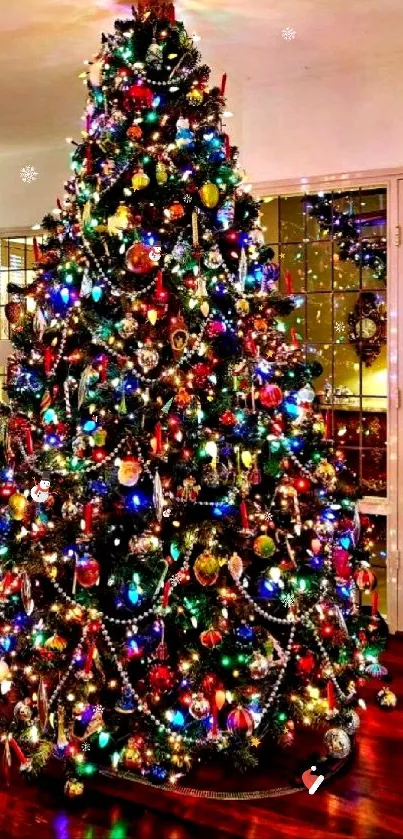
column 178, row 335
column 134, row 133
column 148, row 358
column 139, row 95
column 128, row 326
column 138, row 259
column 206, row 569
column 226, row 214
column 23, row 711
column 210, row 638
column 129, row 471
column 264, row 546
column 210, row 195
column 351, row 722
column 176, row 211
column 73, row 788
column 26, row 594
column 140, row 180
column 258, row 666
column 195, row 97
column 364, row 578
column 235, row 567
column 386, row 699
column 184, row 136
column 271, row 396
column 154, row 55
column 199, row 707
column 326, row 473
column 87, row 571
column 161, row 173
column 132, row 757
column 337, row 743
column 120, row 221
column 213, row 259
column 56, row 643
column 18, row 505
column 240, row 720
column 43, row 703
column 40, row 492
column 160, row 677
column 305, row 664
column 125, row 705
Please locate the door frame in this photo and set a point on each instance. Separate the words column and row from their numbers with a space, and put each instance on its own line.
column 392, row 180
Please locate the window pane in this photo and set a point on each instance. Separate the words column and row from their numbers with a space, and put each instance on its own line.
column 292, row 219
column 319, row 266
column 319, row 318
column 292, row 259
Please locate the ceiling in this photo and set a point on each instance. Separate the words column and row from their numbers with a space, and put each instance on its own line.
column 326, row 101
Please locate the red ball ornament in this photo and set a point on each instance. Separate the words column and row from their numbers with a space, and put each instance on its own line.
column 6, row 490
column 87, row 571
column 365, row 579
column 341, row 561
column 200, row 373
column 271, row 396
column 211, row 638
column 305, row 664
column 215, row 328
column 228, row 419
column 176, row 211
column 98, row 454
column 138, row 259
column 139, row 95
column 160, row 677
column 240, row 720
column 210, row 683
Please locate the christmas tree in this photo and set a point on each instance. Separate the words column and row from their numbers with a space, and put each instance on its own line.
column 176, row 554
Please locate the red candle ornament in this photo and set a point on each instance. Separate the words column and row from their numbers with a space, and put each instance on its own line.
column 37, row 253
column 244, row 515
column 227, row 146
column 166, row 594
column 158, row 438
column 47, row 360
column 29, row 446
column 288, row 282
column 328, row 425
column 103, row 369
column 223, row 84
column 90, row 658
column 374, row 604
column 294, row 338
column 88, row 511
column 22, row 759
column 331, row 696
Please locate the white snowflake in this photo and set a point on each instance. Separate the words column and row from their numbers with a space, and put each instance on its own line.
column 28, row 174
column 339, row 327
column 287, row 599
column 85, row 747
column 288, row 33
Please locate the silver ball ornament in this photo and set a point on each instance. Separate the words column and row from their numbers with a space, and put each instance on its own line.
column 337, row 743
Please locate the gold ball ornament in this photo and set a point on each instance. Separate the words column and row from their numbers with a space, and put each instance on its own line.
column 99, row 436
column 18, row 505
column 242, row 307
column 176, row 211
column 140, row 180
column 73, row 788
column 326, row 473
column 210, row 195
column 386, row 699
column 161, row 174
column 195, row 96
column 129, row 471
column 206, row 569
column 264, row 546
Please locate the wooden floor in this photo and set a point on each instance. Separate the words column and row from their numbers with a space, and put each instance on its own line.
column 365, row 802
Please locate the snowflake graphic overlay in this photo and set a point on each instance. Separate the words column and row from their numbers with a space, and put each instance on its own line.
column 28, row 174
column 288, row 33
column 85, row 747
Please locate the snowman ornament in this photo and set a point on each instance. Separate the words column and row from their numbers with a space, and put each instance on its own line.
column 40, row 492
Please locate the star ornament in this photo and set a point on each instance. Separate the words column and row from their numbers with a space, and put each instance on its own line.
column 255, row 742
